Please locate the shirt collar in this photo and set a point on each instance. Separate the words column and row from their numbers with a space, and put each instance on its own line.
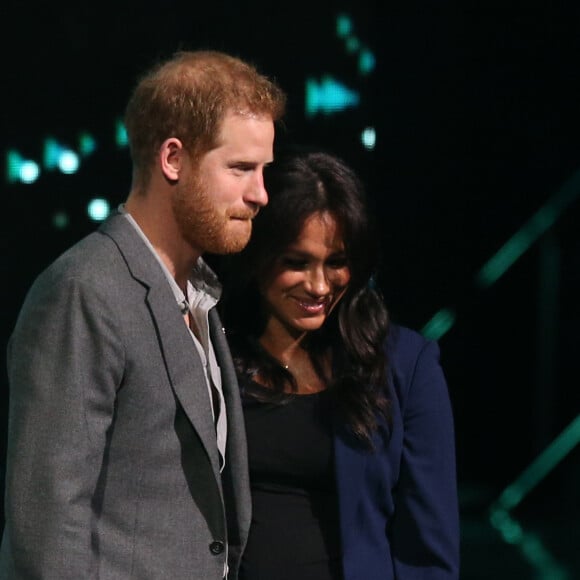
column 203, row 287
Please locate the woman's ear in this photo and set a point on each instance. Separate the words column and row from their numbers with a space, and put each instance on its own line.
column 171, row 158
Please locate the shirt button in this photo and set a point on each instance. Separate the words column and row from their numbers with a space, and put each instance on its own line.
column 216, row 548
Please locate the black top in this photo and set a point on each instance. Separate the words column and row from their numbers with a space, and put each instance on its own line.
column 295, row 528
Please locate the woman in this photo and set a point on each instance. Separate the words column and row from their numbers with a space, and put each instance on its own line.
column 349, row 424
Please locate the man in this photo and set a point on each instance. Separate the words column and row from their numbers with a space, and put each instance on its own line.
column 126, row 453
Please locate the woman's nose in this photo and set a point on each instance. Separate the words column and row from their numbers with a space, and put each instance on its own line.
column 317, row 282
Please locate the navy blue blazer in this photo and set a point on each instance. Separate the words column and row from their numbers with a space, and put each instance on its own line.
column 398, row 504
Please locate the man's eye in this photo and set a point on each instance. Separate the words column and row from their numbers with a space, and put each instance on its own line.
column 242, row 167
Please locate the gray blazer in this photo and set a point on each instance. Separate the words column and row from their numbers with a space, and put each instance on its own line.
column 112, row 468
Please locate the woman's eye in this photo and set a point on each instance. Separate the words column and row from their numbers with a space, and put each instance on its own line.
column 337, row 263
column 294, row 263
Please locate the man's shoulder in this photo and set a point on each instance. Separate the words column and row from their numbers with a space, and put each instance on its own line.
column 87, row 258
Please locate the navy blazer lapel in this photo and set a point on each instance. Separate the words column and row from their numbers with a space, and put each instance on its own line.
column 183, row 364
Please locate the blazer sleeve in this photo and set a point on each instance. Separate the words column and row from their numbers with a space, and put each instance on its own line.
column 65, row 361
column 425, row 528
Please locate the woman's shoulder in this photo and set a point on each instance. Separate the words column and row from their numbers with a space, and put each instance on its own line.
column 410, row 355
column 404, row 341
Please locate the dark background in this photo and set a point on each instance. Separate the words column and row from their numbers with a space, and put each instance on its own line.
column 475, row 108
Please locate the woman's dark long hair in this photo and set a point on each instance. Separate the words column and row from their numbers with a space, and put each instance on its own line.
column 299, row 185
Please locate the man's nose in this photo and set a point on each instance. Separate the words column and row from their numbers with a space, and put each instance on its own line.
column 257, row 193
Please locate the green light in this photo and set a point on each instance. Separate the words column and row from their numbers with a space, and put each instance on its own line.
column 60, row 220
column 516, row 246
column 529, row 544
column 352, row 44
column 541, row 466
column 439, row 324
column 539, row 223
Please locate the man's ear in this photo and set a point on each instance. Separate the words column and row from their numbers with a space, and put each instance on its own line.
column 171, row 158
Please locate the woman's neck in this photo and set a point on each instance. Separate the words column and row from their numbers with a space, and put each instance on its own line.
column 283, row 347
column 292, row 354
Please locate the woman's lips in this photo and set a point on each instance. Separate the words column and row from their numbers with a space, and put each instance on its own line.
column 312, row 307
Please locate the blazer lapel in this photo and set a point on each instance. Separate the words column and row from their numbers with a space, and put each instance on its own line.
column 235, row 478
column 236, row 442
column 184, row 367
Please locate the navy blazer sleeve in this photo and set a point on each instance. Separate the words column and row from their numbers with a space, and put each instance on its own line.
column 424, row 530
column 398, row 503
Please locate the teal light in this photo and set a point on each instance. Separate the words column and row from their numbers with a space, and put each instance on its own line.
column 343, row 25
column 329, row 96
column 87, row 144
column 29, row 171
column 68, row 162
column 366, row 61
column 121, row 137
column 353, row 45
column 98, row 209
column 51, row 153
column 57, row 156
column 19, row 169
column 369, row 138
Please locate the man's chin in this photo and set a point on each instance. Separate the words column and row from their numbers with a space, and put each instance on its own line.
column 231, row 245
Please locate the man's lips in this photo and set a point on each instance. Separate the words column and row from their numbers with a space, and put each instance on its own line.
column 249, row 215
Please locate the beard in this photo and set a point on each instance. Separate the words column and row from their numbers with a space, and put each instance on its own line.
column 202, row 225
